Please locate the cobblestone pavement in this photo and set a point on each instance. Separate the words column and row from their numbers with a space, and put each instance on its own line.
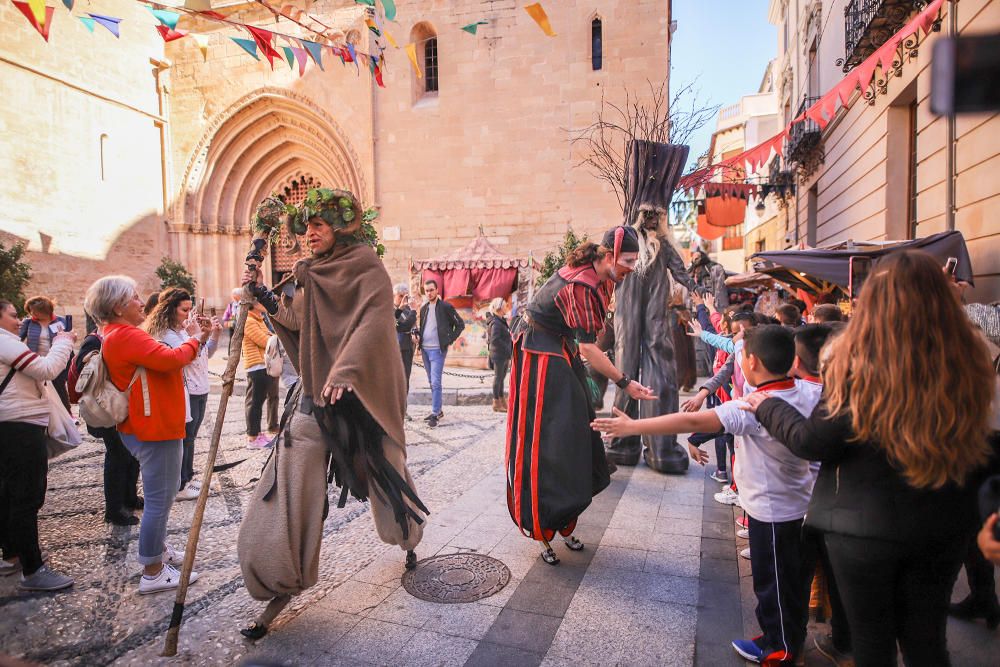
column 658, row 584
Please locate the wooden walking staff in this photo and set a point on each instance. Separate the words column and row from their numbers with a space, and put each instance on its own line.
column 266, row 224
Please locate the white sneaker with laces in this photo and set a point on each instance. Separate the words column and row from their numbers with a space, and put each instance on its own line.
column 743, row 534
column 188, row 493
column 745, row 553
column 168, row 579
column 727, row 497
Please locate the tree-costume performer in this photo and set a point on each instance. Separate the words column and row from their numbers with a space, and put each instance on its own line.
column 555, row 462
column 343, row 420
column 644, row 346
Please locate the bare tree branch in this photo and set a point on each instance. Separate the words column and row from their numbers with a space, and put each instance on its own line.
column 606, row 143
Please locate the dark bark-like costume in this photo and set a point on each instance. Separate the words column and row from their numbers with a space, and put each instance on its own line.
column 554, row 461
column 337, row 332
column 644, row 322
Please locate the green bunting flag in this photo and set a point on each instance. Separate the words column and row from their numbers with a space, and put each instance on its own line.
column 87, row 21
column 473, row 27
column 168, row 19
column 289, row 56
column 68, row 4
column 369, row 3
column 390, row 9
column 247, row 45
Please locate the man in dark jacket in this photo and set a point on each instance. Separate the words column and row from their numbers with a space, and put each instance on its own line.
column 440, row 326
column 406, row 320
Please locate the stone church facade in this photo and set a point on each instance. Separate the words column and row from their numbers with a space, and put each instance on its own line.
column 120, row 152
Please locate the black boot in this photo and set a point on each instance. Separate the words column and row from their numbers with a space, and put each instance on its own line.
column 624, row 451
column 120, row 517
column 970, row 609
column 666, row 457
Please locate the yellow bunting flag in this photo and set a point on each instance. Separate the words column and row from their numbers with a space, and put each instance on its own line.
column 411, row 51
column 38, row 9
column 390, row 39
column 202, row 42
column 536, row 12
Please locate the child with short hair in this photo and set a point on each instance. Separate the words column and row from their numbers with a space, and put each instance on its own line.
column 775, row 487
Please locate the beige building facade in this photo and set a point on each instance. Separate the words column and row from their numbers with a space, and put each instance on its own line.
column 881, row 171
column 125, row 151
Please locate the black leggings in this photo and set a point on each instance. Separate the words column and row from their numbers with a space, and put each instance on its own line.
column 895, row 591
column 121, row 474
column 500, row 368
column 24, row 468
column 259, row 383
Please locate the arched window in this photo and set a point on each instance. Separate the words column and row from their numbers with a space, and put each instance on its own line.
column 596, row 49
column 431, row 65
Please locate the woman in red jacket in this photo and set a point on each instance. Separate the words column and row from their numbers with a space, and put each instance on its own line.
column 153, row 437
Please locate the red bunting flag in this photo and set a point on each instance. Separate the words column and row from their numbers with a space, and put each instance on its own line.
column 169, row 35
column 25, row 9
column 263, row 39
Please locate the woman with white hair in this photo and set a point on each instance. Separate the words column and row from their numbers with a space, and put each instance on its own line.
column 500, row 345
column 154, row 374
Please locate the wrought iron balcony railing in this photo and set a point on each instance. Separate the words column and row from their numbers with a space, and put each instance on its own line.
column 869, row 23
column 804, row 136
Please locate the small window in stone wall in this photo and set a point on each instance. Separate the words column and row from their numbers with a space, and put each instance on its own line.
column 596, row 47
column 431, row 65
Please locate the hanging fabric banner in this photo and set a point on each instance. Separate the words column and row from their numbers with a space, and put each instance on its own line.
column 411, row 53
column 68, row 4
column 87, row 22
column 202, row 42
column 109, row 22
column 473, row 27
column 302, row 57
column 43, row 30
column 166, row 18
column 263, row 39
column 169, row 35
column 38, row 11
column 389, row 7
column 536, row 12
column 389, row 39
column 315, row 51
column 289, row 56
column 247, row 45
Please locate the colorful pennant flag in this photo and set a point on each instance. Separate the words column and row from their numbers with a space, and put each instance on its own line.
column 88, row 22
column 68, row 4
column 374, row 28
column 389, row 39
column 202, row 42
column 536, row 12
column 38, row 10
column 300, row 55
column 109, row 22
column 369, row 3
column 289, row 56
column 247, row 45
column 411, row 53
column 389, row 7
column 43, row 29
column 169, row 34
column 166, row 18
column 315, row 51
column 473, row 27
column 263, row 39
column 354, row 56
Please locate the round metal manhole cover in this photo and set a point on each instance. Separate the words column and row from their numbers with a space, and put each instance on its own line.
column 456, row 578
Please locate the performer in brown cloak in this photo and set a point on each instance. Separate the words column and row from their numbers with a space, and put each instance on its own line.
column 343, row 421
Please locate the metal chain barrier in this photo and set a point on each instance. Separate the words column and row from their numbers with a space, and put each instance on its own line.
column 456, row 374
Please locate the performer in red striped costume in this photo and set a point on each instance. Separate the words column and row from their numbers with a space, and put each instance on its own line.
column 555, row 462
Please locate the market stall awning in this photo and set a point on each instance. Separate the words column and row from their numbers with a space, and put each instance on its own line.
column 479, row 269
column 832, row 264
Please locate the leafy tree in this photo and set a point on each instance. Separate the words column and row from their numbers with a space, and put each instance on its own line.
column 175, row 274
column 556, row 259
column 14, row 274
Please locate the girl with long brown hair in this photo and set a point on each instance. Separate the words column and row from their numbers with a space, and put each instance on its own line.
column 902, row 435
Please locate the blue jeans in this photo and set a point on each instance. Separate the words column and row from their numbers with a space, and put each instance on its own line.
column 434, row 365
column 160, row 467
column 199, row 405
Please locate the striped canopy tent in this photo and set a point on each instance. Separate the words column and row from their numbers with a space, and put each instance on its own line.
column 478, row 270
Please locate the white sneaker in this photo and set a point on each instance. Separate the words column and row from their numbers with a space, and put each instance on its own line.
column 172, row 556
column 745, row 553
column 743, row 534
column 188, row 493
column 168, row 579
column 727, row 497
column 195, row 484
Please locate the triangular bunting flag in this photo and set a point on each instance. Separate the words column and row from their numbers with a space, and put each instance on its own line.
column 43, row 30
column 168, row 34
column 473, row 27
column 315, row 51
column 202, row 42
column 347, row 52
column 354, row 56
column 845, row 89
column 865, row 71
column 302, row 57
column 887, row 53
column 378, row 76
column 369, row 3
column 263, row 39
column 389, row 39
column 389, row 6
column 68, row 4
column 411, row 53
column 247, row 45
column 374, row 28
column 289, row 56
column 925, row 20
column 88, row 22
column 815, row 114
column 829, row 102
column 166, row 18
column 109, row 22
column 38, row 11
column 536, row 12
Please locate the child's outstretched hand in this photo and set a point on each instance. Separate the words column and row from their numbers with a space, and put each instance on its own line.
column 697, row 455
column 695, row 329
column 618, row 426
